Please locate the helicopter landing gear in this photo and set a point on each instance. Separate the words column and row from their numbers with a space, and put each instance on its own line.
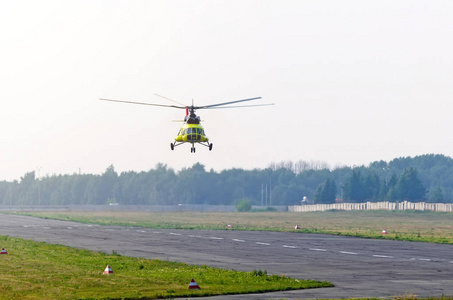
column 192, row 148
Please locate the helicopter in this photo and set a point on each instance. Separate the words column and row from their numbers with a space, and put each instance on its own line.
column 192, row 132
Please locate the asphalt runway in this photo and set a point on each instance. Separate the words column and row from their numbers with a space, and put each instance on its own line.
column 358, row 267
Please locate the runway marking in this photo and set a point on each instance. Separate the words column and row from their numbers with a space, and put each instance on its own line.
column 259, row 243
column 172, row 233
column 141, row 231
column 69, row 227
column 216, row 238
column 425, row 259
column 383, row 256
column 156, row 231
column 346, row 252
column 292, row 247
column 316, row 249
column 422, row 259
column 236, row 240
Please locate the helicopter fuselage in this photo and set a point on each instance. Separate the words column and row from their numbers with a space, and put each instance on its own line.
column 191, row 133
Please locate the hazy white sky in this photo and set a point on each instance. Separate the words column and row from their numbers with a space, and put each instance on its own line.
column 352, row 82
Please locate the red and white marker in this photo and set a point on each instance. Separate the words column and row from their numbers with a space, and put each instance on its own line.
column 297, row 227
column 108, row 270
column 229, row 226
column 193, row 285
column 384, row 231
column 3, row 251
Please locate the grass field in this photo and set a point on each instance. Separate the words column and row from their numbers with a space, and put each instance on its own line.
column 33, row 270
column 400, row 225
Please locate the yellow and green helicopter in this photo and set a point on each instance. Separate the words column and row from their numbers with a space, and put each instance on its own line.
column 192, row 132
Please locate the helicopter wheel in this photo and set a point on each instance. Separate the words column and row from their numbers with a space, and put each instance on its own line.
column 210, row 147
column 172, row 146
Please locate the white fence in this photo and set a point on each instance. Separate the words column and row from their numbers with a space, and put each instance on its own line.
column 405, row 205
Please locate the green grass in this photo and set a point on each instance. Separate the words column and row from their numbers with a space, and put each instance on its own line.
column 34, row 270
column 400, row 225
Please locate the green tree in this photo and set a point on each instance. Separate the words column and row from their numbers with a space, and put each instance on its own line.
column 244, row 205
column 372, row 186
column 353, row 190
column 409, row 186
column 326, row 192
column 436, row 195
column 106, row 186
column 392, row 191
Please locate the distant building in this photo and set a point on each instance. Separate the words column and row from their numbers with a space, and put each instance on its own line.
column 306, row 201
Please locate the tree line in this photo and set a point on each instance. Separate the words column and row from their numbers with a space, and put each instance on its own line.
column 360, row 188
column 422, row 178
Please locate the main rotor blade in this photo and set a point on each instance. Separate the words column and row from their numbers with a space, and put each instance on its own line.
column 225, row 103
column 171, row 100
column 142, row 103
column 239, row 106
